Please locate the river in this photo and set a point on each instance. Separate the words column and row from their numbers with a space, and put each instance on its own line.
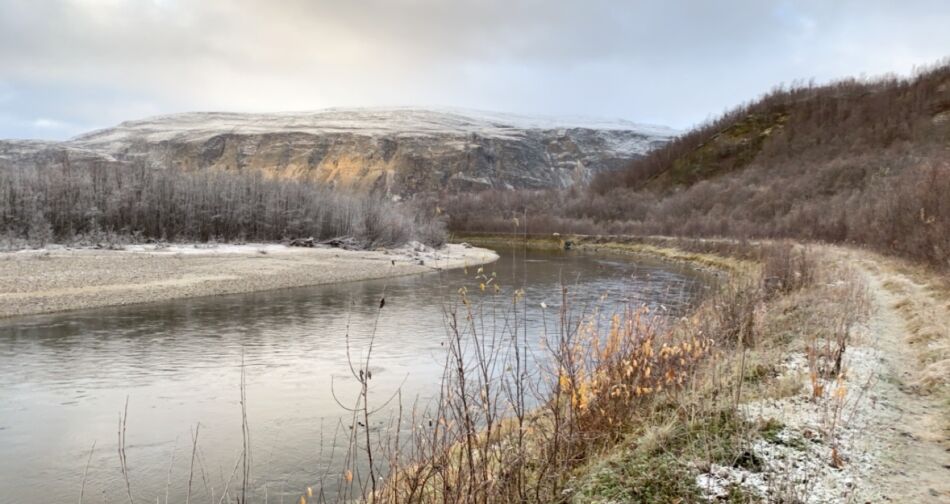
column 65, row 378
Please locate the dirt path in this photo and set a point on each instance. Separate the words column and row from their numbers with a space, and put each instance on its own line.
column 909, row 407
column 880, row 430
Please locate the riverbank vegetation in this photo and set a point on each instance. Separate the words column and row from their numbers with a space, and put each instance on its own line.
column 626, row 405
column 763, row 392
column 856, row 162
column 96, row 202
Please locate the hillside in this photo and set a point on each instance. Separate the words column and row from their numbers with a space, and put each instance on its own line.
column 839, row 120
column 396, row 152
column 856, row 161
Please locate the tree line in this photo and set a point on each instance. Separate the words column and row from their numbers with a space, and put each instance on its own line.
column 91, row 201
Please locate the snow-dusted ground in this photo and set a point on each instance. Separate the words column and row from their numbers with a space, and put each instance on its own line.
column 873, row 436
column 14, row 150
column 447, row 256
column 206, row 248
column 799, row 461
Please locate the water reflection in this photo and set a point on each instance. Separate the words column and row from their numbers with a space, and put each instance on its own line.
column 64, row 378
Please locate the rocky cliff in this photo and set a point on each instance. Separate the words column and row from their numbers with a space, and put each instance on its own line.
column 397, row 152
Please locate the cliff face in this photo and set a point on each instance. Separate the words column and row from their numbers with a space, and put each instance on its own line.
column 397, row 152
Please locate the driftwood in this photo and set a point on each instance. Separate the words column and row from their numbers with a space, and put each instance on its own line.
column 302, row 242
column 345, row 243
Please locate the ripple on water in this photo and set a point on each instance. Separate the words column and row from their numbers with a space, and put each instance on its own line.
column 65, row 377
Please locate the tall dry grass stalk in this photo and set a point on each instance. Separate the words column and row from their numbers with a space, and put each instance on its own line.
column 123, row 423
column 515, row 416
column 521, row 417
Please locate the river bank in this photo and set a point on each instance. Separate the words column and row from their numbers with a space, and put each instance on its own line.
column 834, row 371
column 78, row 368
column 61, row 279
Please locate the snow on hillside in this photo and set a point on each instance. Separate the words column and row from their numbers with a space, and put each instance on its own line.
column 624, row 136
column 16, row 150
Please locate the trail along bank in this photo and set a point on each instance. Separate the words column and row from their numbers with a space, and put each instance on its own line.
column 885, row 426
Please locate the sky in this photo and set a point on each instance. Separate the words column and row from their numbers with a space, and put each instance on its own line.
column 70, row 66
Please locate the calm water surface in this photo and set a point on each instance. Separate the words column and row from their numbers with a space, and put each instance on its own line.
column 65, row 378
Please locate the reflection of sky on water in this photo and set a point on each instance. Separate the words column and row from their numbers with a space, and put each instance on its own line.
column 65, row 377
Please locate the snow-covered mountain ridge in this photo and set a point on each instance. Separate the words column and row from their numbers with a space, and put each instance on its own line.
column 399, row 151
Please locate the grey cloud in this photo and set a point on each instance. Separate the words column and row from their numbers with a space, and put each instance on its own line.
column 87, row 62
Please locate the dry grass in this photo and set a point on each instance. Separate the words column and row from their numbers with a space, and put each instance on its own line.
column 928, row 326
column 629, row 409
column 624, row 406
column 922, row 294
column 591, row 383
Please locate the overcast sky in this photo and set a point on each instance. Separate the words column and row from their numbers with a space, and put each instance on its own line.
column 68, row 66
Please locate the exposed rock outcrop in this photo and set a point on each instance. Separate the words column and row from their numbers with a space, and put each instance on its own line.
column 397, row 152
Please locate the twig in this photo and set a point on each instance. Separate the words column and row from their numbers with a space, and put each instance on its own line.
column 191, row 469
column 82, row 488
column 227, row 485
column 123, row 421
column 171, row 462
column 245, row 433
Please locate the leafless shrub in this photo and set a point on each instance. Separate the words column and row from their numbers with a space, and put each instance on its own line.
column 786, row 268
column 123, row 461
column 108, row 202
column 512, row 424
column 827, row 343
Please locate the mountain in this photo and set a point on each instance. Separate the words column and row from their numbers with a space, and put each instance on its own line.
column 396, row 151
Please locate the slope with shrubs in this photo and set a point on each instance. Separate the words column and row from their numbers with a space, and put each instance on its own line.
column 857, row 161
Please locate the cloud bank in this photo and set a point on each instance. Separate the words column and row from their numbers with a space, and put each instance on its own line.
column 67, row 66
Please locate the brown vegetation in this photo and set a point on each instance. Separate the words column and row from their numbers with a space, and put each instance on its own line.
column 512, row 425
column 621, row 406
column 857, row 161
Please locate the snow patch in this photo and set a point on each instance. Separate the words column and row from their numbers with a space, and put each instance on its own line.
column 206, row 248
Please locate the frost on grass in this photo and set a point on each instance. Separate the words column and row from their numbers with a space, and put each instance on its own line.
column 810, row 450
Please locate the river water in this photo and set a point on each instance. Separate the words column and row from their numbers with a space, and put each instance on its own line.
column 65, row 378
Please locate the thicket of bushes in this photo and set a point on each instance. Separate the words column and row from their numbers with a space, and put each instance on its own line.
column 63, row 202
column 865, row 162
